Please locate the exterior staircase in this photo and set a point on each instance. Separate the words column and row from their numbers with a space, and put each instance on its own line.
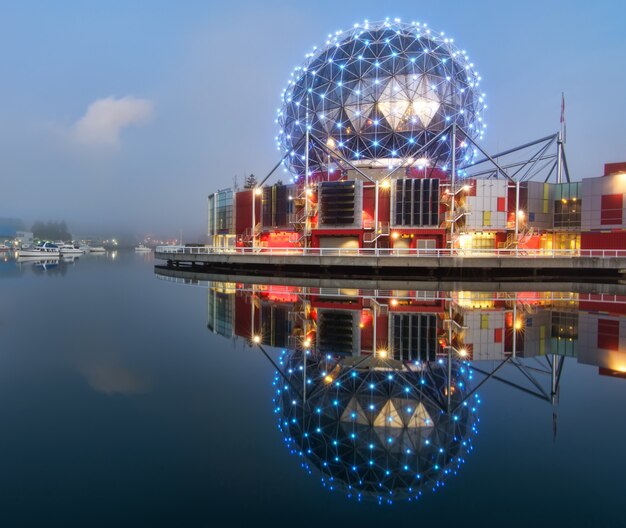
column 371, row 236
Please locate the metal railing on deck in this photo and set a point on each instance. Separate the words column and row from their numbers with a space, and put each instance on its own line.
column 392, row 252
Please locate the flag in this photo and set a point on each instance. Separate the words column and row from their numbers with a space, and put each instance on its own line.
column 563, row 127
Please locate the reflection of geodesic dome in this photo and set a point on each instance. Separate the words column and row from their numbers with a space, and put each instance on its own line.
column 377, row 431
column 381, row 91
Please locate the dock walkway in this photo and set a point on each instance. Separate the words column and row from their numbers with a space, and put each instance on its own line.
column 410, row 263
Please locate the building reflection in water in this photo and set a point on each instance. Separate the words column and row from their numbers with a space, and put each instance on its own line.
column 377, row 389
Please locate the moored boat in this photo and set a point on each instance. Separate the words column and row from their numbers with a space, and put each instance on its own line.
column 97, row 249
column 142, row 249
column 70, row 249
column 45, row 250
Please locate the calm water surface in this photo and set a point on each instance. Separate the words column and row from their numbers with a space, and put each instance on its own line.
column 128, row 400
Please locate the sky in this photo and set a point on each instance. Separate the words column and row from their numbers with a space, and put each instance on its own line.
column 125, row 115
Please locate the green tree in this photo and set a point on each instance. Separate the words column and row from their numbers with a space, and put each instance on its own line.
column 250, row 182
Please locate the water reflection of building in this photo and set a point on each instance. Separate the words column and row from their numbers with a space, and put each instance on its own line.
column 413, row 325
column 602, row 339
column 376, row 390
column 221, row 309
column 375, row 427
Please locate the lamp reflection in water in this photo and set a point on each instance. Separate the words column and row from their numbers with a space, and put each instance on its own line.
column 376, row 428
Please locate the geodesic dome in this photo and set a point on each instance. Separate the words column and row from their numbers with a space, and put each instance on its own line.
column 377, row 432
column 379, row 92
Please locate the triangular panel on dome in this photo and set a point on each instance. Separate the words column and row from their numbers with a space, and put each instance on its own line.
column 394, row 103
column 420, row 417
column 424, row 99
column 393, row 439
column 358, row 111
column 388, row 416
column 416, row 437
column 354, row 413
column 329, row 119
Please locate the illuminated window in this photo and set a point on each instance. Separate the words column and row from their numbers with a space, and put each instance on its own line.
column 567, row 213
column 565, row 325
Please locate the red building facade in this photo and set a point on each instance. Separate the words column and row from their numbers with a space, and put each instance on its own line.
column 415, row 211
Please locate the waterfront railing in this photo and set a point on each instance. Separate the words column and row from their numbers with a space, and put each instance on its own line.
column 391, row 252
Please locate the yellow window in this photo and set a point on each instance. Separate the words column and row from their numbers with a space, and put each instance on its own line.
column 486, row 218
column 484, row 322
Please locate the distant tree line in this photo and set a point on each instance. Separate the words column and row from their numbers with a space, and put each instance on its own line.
column 250, row 182
column 51, row 231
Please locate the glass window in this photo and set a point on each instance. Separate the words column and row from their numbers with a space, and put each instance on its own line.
column 417, row 202
column 414, row 337
column 567, row 213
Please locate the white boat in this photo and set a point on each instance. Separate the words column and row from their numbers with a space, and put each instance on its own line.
column 70, row 249
column 45, row 250
column 97, row 249
column 4, row 247
column 142, row 249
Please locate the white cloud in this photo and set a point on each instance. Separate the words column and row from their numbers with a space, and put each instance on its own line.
column 105, row 119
